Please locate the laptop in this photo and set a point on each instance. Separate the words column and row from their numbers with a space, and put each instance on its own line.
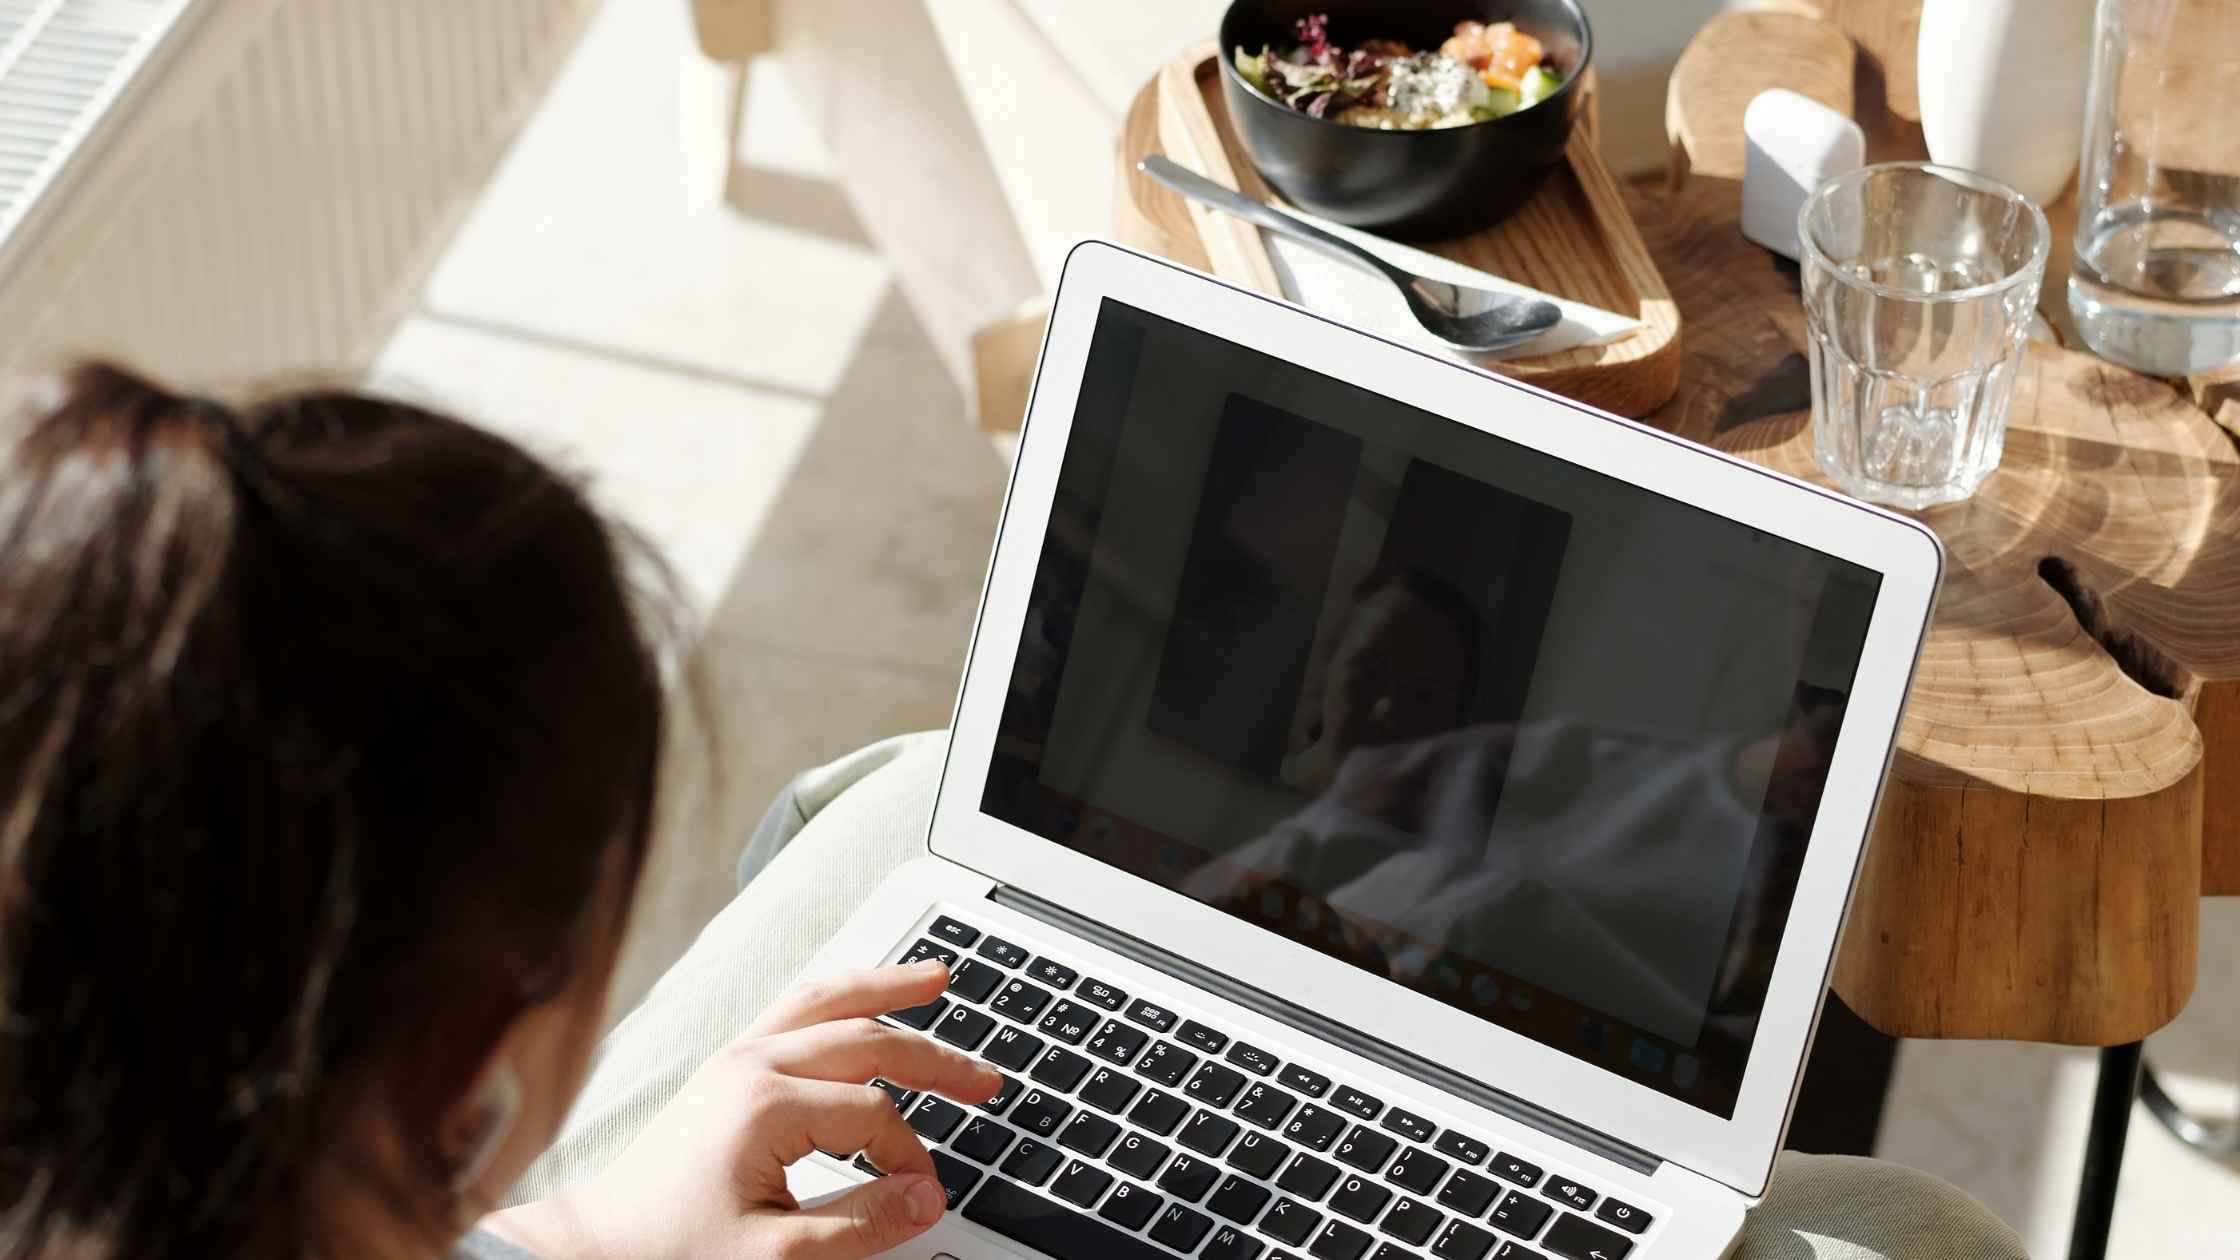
column 1391, row 812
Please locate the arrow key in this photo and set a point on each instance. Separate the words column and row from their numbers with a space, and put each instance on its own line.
column 1577, row 1238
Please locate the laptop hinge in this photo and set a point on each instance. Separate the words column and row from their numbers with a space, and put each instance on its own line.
column 1322, row 1026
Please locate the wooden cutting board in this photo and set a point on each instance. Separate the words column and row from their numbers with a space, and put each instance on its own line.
column 1573, row 239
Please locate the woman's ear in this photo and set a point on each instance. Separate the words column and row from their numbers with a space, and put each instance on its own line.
column 478, row 1125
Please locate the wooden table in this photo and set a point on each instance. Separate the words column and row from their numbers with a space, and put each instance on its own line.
column 2062, row 793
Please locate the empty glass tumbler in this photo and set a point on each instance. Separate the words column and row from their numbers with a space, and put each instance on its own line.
column 2156, row 285
column 1920, row 284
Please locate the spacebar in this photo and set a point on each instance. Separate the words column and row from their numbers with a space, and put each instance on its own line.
column 1052, row 1230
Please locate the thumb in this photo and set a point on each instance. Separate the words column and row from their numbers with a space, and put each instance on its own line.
column 866, row 1220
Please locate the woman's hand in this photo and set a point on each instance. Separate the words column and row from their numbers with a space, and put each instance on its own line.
column 708, row 1176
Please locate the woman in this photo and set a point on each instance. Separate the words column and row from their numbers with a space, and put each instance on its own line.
column 328, row 736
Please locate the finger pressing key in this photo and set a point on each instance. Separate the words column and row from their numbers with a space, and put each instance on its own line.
column 853, row 995
column 857, row 1050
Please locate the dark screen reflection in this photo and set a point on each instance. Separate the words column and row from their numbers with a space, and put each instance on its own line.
column 1525, row 739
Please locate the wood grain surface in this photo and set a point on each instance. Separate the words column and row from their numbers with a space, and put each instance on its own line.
column 2054, row 811
column 1574, row 239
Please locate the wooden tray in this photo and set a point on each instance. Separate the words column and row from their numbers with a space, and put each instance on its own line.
column 1573, row 239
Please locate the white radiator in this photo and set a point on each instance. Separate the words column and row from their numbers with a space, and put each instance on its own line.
column 244, row 189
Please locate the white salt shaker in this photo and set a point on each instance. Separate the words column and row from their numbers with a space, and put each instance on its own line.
column 1792, row 143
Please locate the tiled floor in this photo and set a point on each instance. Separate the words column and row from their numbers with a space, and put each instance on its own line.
column 741, row 382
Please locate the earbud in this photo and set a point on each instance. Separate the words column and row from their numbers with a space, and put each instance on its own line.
column 497, row 1108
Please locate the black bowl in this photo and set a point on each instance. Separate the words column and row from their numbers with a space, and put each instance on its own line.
column 1421, row 184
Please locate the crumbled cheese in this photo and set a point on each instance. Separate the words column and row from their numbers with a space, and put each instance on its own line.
column 1429, row 88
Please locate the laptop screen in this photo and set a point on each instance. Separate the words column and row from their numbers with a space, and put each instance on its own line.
column 1521, row 737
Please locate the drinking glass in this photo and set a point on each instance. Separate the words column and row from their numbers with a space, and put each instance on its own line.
column 2156, row 285
column 1920, row 283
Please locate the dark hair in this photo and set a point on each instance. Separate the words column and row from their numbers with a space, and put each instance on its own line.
column 322, row 724
column 1444, row 598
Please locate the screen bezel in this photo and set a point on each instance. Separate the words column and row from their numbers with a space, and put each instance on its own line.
column 1738, row 1151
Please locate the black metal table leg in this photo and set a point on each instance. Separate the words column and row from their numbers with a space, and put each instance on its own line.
column 2217, row 1141
column 2117, row 1090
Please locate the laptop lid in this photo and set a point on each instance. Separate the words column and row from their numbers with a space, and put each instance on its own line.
column 1536, row 743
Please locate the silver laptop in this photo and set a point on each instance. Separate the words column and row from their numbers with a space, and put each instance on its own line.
column 1392, row 813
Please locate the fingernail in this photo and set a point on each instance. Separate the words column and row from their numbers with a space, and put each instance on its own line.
column 927, row 1202
column 930, row 965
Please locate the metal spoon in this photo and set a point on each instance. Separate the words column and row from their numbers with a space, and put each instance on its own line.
column 1463, row 317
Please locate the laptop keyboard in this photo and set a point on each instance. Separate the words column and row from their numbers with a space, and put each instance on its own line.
column 1128, row 1131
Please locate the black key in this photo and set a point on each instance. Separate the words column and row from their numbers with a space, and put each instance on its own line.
column 1367, row 1149
column 1199, row 1037
column 1291, row 1221
column 1265, row 1105
column 1307, row 1082
column 974, row 981
column 900, row 1095
column 1055, row 974
column 1350, row 1099
column 1013, row 1048
column 920, row 1017
column 1130, row 1206
column 1468, row 1150
column 1251, row 1058
column 1411, row 1221
column 957, row 1177
column 1178, row 1227
column 1103, row 994
column 964, row 1027
column 1032, row 1162
column 1238, row 1200
column 983, row 1140
column 1188, row 1179
column 1623, row 1215
column 1520, row 1214
column 1139, row 1156
column 1468, row 1193
column 1208, row 1133
column 1060, row 1068
column 1068, row 1023
column 1511, row 1249
column 927, row 949
column 1307, row 1177
column 1409, row 1125
column 1090, row 1134
column 1577, row 1238
column 1462, row 1241
column 958, row 934
column 867, row 1166
column 1040, row 1114
column 1081, row 1184
column 1259, row 1156
column 1046, row 1227
column 1004, row 952
column 1215, row 1085
column 1315, row 1127
column 1117, row 1042
column 936, row 1118
column 1570, row 1192
column 1020, row 1001
column 1151, row 1016
column 1386, row 1251
column 1509, row 1168
column 1166, row 1063
column 1337, row 1240
column 1109, row 1090
column 1360, row 1198
column 1159, row 1112
column 1007, row 1092
column 1416, row 1170
column 1231, row 1244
